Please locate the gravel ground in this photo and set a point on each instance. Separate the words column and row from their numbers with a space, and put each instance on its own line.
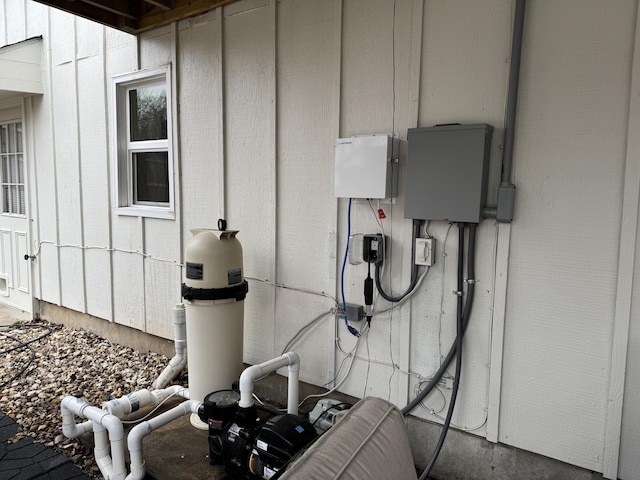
column 43, row 362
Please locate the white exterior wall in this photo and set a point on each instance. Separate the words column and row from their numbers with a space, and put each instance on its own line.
column 264, row 87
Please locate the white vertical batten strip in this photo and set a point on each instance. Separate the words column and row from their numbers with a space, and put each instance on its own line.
column 110, row 178
column 413, row 108
column 626, row 262
column 83, row 252
column 499, row 310
column 498, row 316
column 335, row 115
column 53, row 154
column 273, row 10
column 177, row 151
column 3, row 38
column 29, row 173
column 222, row 190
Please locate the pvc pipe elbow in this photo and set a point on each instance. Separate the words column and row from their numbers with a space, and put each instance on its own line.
column 247, row 381
column 294, row 361
column 177, row 390
column 70, row 429
column 113, row 426
column 171, row 371
column 137, row 472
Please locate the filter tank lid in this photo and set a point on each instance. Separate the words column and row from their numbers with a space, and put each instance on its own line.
column 218, row 233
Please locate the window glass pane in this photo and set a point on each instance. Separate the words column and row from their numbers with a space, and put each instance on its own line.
column 22, row 210
column 151, row 173
column 20, row 168
column 5, row 198
column 13, row 174
column 4, row 146
column 148, row 113
column 14, row 199
column 5, row 169
column 19, row 137
column 12, row 137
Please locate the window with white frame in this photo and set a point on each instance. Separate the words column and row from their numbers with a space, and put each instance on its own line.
column 12, row 174
column 143, row 153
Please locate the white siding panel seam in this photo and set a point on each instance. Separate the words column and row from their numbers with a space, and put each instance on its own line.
column 626, row 262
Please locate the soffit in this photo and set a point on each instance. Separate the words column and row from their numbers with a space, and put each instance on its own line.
column 135, row 16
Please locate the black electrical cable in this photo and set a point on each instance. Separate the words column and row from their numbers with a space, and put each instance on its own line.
column 23, row 345
column 471, row 246
column 459, row 331
column 414, row 270
column 32, row 357
column 368, row 295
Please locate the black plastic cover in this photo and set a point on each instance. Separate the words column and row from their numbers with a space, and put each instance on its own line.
column 283, row 436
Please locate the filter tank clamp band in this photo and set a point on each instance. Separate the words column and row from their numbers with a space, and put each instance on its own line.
column 239, row 292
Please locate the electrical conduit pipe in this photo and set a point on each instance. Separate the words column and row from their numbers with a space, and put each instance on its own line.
column 137, row 433
column 254, row 372
column 179, row 361
column 112, row 467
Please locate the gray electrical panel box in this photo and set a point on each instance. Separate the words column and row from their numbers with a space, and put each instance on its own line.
column 447, row 171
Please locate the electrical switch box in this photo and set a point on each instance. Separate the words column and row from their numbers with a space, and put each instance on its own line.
column 425, row 251
column 447, row 172
column 364, row 166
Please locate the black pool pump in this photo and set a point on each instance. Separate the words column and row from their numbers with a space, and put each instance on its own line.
column 250, row 447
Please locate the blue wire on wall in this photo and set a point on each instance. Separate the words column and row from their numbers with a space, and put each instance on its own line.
column 351, row 329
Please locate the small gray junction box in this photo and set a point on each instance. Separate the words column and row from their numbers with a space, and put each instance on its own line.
column 447, row 172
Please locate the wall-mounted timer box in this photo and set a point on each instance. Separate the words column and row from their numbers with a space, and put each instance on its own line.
column 364, row 166
column 447, row 172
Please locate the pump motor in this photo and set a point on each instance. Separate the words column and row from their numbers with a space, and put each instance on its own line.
column 248, row 447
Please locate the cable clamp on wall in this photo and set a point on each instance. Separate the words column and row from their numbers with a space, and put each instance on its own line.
column 458, row 293
column 470, row 281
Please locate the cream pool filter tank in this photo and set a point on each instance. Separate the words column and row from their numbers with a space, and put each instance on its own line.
column 214, row 290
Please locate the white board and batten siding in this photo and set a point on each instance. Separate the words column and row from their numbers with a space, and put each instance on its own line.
column 564, row 253
column 250, row 167
column 262, row 88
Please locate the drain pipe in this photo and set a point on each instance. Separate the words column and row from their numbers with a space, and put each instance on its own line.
column 112, row 467
column 507, row 190
column 179, row 361
column 137, row 433
column 254, row 372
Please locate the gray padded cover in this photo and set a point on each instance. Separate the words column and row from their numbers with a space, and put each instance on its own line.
column 369, row 443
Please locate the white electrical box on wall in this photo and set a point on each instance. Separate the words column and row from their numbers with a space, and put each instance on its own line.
column 365, row 167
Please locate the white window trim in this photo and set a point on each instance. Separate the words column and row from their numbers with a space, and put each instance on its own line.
column 121, row 159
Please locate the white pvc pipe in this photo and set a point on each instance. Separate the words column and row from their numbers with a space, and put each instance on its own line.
column 254, row 372
column 179, row 361
column 127, row 404
column 137, row 433
column 112, row 468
